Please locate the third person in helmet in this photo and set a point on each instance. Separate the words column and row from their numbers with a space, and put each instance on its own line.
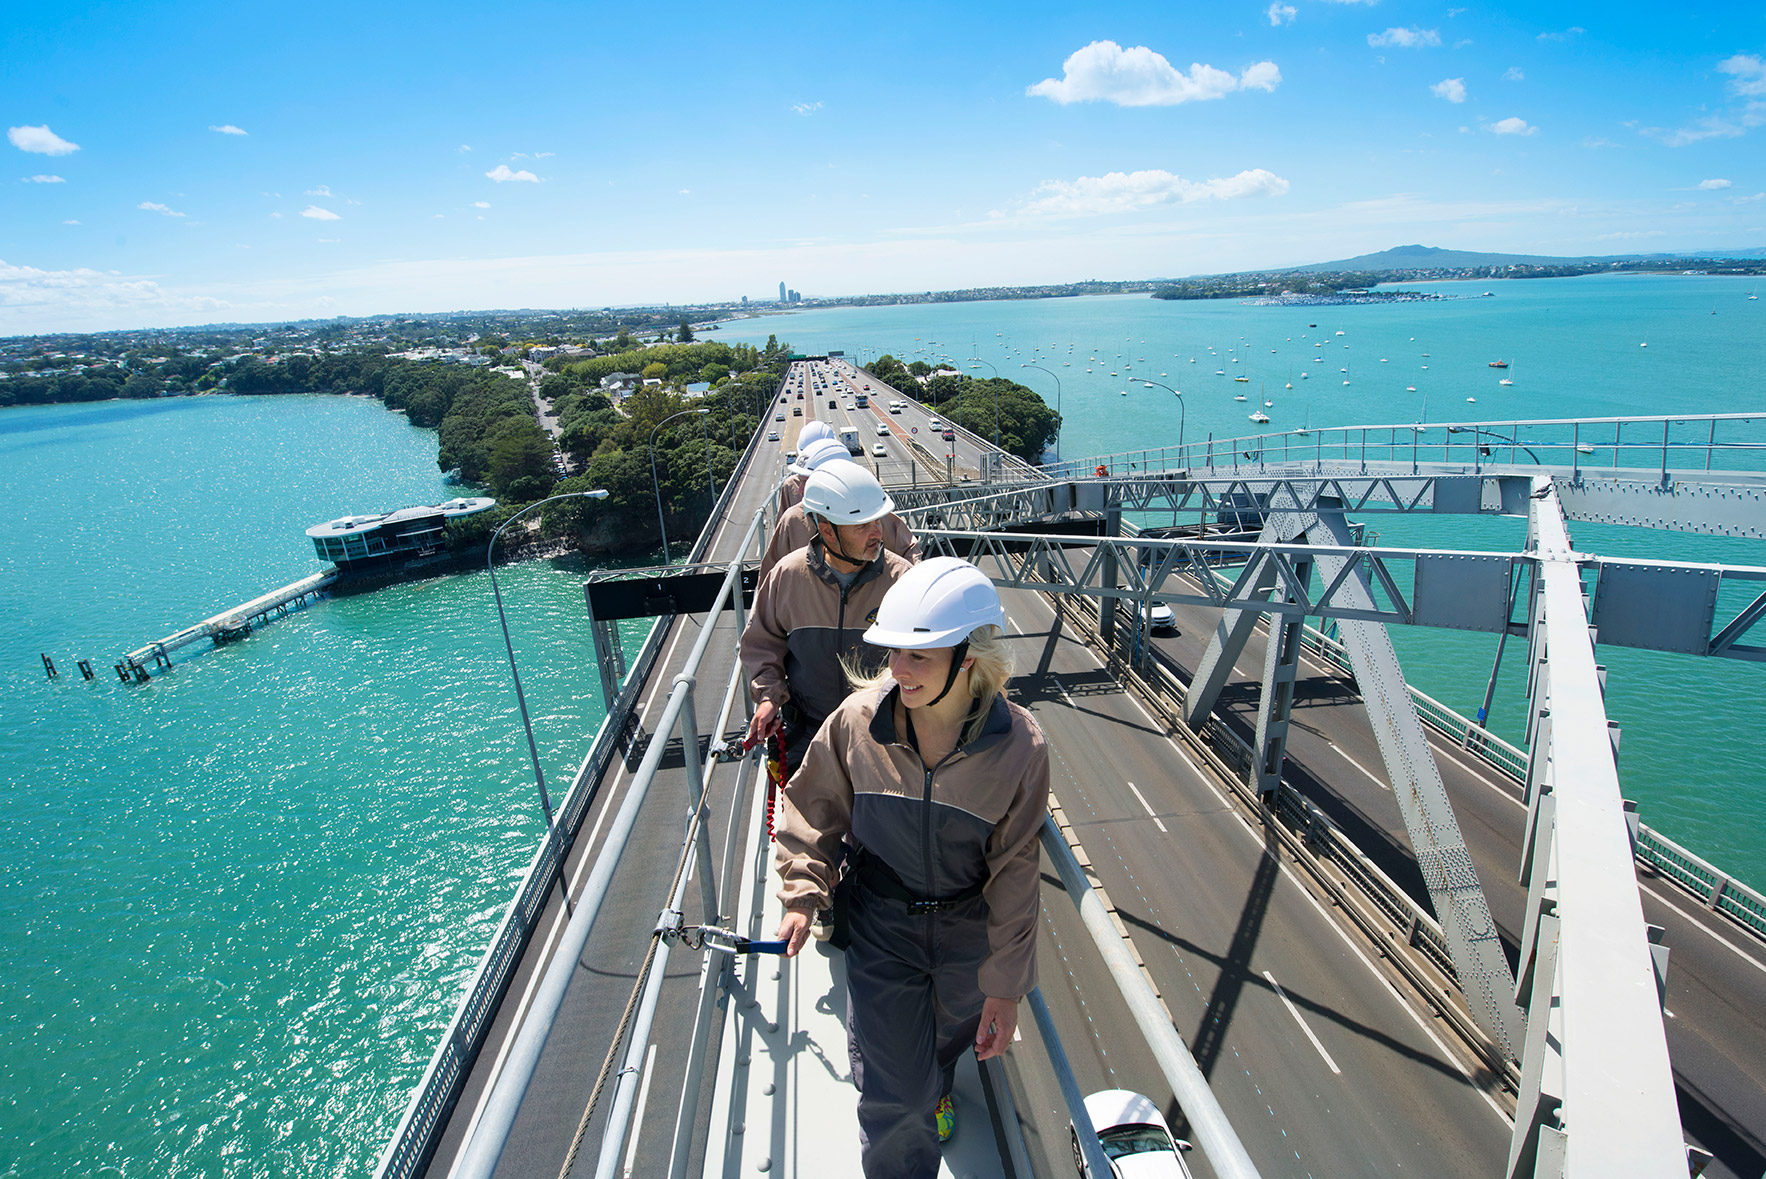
column 794, row 529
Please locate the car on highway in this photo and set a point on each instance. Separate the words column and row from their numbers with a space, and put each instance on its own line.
column 895, row 407
column 1160, row 617
column 936, row 424
column 833, row 404
column 882, row 429
column 851, row 404
column 949, row 435
column 879, row 451
column 1134, row 1136
column 797, row 411
column 772, row 435
column 780, row 416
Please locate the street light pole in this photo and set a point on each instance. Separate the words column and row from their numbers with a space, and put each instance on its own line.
column 996, row 398
column 539, row 775
column 1039, row 368
column 1182, row 413
column 655, row 483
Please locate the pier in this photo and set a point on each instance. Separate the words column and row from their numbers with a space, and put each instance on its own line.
column 223, row 627
column 1329, row 925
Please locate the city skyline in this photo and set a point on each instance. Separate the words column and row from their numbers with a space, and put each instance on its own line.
column 234, row 166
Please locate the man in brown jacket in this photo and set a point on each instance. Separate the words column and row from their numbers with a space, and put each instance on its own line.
column 812, row 609
column 794, row 529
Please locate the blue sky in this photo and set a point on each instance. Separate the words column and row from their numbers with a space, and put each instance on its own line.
column 190, row 163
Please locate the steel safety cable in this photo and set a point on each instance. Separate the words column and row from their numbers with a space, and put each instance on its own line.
column 631, row 1003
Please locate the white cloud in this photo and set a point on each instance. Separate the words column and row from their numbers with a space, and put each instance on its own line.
column 1105, row 72
column 544, row 155
column 806, row 108
column 1411, row 38
column 1513, row 126
column 226, row 129
column 44, row 178
column 42, row 298
column 324, row 190
column 1514, row 74
column 1629, row 235
column 1280, row 14
column 1747, row 200
column 75, row 221
column 481, row 204
column 1128, row 192
column 1452, row 89
column 1747, row 74
column 1567, row 34
column 1710, row 185
column 686, row 192
column 318, row 214
column 502, row 173
column 156, row 207
column 465, row 147
column 41, row 140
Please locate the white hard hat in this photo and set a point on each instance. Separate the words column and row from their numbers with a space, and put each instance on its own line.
column 811, row 431
column 845, row 493
column 814, row 454
column 938, row 603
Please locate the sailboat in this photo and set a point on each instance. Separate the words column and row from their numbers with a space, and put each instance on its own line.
column 1506, row 382
column 1307, row 428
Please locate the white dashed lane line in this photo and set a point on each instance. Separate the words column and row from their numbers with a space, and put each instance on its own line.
column 1299, row 1019
column 1359, row 766
column 1148, row 806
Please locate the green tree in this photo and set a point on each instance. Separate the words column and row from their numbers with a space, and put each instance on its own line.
column 685, row 334
column 654, row 371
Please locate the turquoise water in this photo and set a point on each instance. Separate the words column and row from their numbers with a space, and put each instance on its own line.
column 239, row 902
column 1688, row 753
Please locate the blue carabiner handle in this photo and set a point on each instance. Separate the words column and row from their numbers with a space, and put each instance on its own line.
column 747, row 947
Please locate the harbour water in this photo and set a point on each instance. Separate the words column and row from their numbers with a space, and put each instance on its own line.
column 241, row 899
column 239, row 902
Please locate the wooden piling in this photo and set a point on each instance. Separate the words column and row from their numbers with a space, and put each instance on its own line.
column 49, row 666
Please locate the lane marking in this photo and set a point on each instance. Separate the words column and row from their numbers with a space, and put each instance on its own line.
column 1359, row 766
column 1147, row 806
column 1451, row 1057
column 1698, row 922
column 1299, row 1019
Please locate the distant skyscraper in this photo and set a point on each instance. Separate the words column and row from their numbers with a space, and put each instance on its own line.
column 781, row 292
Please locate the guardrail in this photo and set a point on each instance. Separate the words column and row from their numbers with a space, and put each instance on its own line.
column 1734, row 442
column 414, row 1141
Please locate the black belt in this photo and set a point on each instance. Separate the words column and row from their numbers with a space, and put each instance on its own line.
column 880, row 878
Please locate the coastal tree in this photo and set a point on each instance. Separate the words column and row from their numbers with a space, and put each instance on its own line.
column 685, row 334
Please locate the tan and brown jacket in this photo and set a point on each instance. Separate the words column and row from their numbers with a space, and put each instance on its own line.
column 972, row 819
column 804, row 623
column 794, row 530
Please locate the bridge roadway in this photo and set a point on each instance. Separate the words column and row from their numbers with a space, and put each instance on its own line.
column 1324, row 1061
column 1716, row 971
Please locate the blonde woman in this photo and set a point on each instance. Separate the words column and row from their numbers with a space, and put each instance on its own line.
column 940, row 785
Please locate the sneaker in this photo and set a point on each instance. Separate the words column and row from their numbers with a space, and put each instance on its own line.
column 946, row 1114
column 823, row 925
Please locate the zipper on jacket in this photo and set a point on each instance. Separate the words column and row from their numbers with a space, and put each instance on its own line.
column 926, row 839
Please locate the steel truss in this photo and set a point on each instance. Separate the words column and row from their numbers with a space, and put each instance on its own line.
column 1651, row 605
column 1597, row 1092
column 1714, row 503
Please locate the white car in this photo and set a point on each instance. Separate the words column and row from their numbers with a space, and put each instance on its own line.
column 935, row 424
column 1134, row 1136
column 895, row 407
column 882, row 429
column 1159, row 617
column 772, row 435
column 879, row 451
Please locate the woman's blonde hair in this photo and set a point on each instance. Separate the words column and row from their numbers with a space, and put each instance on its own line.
column 988, row 674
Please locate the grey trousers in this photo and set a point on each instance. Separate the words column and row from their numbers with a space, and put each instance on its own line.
column 913, row 1008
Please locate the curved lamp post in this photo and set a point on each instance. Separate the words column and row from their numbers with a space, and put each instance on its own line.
column 539, row 775
column 1039, row 368
column 1182, row 410
column 655, row 484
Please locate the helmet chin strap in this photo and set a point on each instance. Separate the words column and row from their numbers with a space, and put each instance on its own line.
column 957, row 654
column 840, row 548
